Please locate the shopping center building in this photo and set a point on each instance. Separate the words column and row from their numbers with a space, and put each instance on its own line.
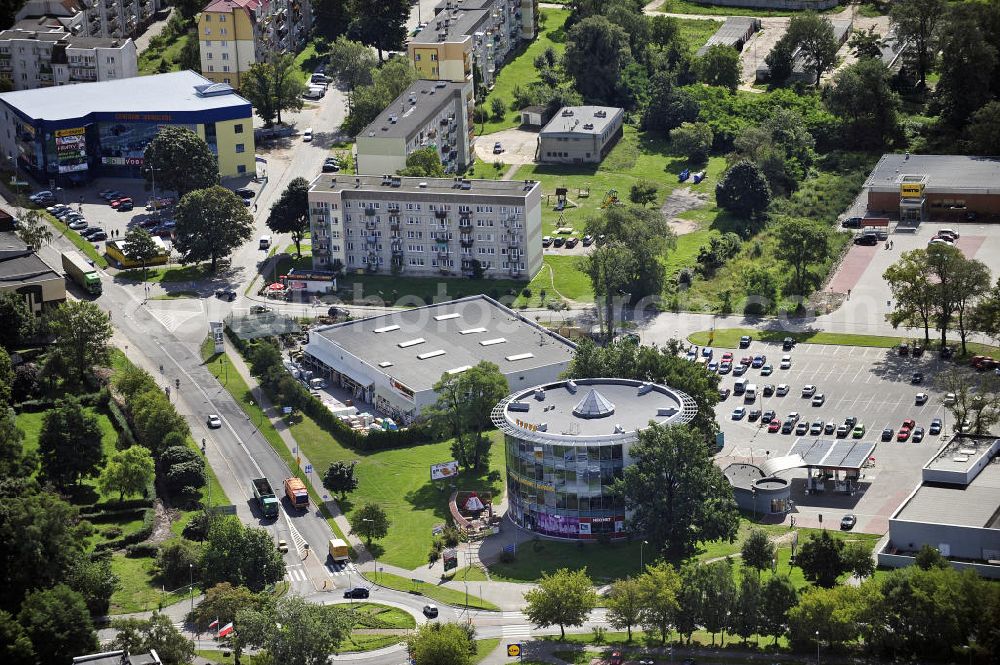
column 72, row 134
column 566, row 444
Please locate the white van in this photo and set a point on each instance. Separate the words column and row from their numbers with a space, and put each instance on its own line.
column 740, row 386
column 307, row 135
column 750, row 393
column 265, row 242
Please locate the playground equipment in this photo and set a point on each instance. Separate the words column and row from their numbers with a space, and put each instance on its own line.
column 583, row 192
column 560, row 198
column 611, row 199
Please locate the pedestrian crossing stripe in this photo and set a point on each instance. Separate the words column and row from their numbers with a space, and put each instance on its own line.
column 334, row 569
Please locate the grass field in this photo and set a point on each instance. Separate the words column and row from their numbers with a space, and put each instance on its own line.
column 687, row 7
column 138, row 591
column 484, row 648
column 164, row 52
column 391, row 290
column 374, row 615
column 307, row 60
column 559, row 275
column 168, row 274
column 433, row 592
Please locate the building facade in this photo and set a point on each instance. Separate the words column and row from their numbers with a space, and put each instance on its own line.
column 233, row 35
column 428, row 113
column 568, row 442
column 51, row 56
column 580, row 134
column 434, row 227
column 465, row 35
column 74, row 134
column 95, row 18
column 25, row 273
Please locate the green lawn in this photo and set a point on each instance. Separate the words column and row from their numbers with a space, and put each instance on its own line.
column 439, row 593
column 245, row 659
column 176, row 295
column 468, row 574
column 729, row 338
column 390, row 289
column 559, row 275
column 688, row 7
column 168, row 274
column 484, row 648
column 139, row 591
column 308, row 59
column 163, row 54
column 373, row 615
column 357, row 642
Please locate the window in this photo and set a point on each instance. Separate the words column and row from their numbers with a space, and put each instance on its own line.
column 208, row 17
column 208, row 31
column 208, row 55
column 434, row 57
column 241, row 168
column 224, row 43
column 222, row 19
column 211, row 68
column 225, row 68
column 222, row 31
column 416, row 57
column 240, row 147
column 226, row 80
column 238, row 129
column 225, row 56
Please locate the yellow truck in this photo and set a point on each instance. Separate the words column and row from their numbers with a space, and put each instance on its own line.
column 339, row 551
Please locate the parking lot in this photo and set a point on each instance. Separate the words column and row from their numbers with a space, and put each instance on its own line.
column 870, row 384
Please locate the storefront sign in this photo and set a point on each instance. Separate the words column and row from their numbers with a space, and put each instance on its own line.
column 401, row 389
column 71, row 149
column 913, row 190
column 144, row 117
column 121, row 161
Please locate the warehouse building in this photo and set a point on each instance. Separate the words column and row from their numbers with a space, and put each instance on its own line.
column 566, row 444
column 23, row 272
column 735, row 32
column 955, row 509
column 580, row 135
column 426, row 227
column 78, row 133
column 393, row 361
column 920, row 188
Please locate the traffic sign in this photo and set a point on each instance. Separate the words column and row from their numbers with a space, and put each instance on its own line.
column 514, row 650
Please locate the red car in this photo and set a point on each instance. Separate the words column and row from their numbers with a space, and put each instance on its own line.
column 909, row 423
column 727, row 356
column 746, row 360
column 906, row 429
column 904, row 434
column 616, row 658
column 117, row 202
column 773, row 426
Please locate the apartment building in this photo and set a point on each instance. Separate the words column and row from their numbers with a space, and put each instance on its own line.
column 41, row 58
column 433, row 227
column 428, row 113
column 468, row 35
column 95, row 18
column 235, row 34
column 580, row 135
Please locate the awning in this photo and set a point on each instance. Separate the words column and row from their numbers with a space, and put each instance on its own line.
column 776, row 465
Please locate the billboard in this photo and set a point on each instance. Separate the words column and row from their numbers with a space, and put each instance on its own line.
column 444, row 470
column 71, row 149
column 911, row 190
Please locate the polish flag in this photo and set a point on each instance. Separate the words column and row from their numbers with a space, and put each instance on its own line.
column 225, row 630
column 214, row 624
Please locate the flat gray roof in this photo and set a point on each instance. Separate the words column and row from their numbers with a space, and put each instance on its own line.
column 944, row 173
column 734, row 31
column 833, row 453
column 961, row 453
column 116, row 658
column 460, row 24
column 975, row 505
column 73, row 41
column 160, row 93
column 422, row 343
column 605, row 408
column 743, row 475
column 363, row 184
column 413, row 109
column 19, row 266
column 581, row 120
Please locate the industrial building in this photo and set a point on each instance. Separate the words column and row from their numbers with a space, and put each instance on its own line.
column 393, row 361
column 580, row 135
column 22, row 271
column 949, row 188
column 566, row 444
column 426, row 227
column 955, row 509
column 800, row 72
column 77, row 133
column 116, row 19
column 428, row 113
column 119, row 658
column 38, row 56
column 735, row 32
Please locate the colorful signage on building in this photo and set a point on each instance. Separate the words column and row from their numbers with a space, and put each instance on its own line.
column 911, row 190
column 71, row 149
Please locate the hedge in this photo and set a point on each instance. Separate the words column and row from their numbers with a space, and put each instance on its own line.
column 94, row 399
column 122, row 425
column 129, row 541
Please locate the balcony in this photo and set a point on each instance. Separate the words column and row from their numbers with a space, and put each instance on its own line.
column 441, row 214
column 370, row 211
column 513, row 241
column 439, row 236
column 443, row 253
column 466, row 241
column 371, row 241
column 464, row 224
column 370, row 224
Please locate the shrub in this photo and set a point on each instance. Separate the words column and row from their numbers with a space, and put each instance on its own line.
column 141, row 550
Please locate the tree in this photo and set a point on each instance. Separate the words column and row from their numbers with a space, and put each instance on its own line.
column 371, row 522
column 563, row 598
column 757, row 551
column 677, row 494
column 287, row 85
column 423, row 162
column 440, row 644
column 353, row 63
column 211, row 223
column 971, row 283
column 13, row 461
column 858, row 560
column 778, row 598
column 462, row 410
column 690, row 601
column 669, row 106
column 6, row 378
column 693, row 140
column 154, row 418
column 929, row 557
column 720, row 66
column 643, row 192
column 866, row 44
column 188, row 9
column 58, row 624
column 863, row 99
column 82, row 332
column 646, row 233
column 814, row 36
column 782, row 146
column 190, row 55
column 821, row 559
column 744, row 190
column 944, row 263
column 761, row 289
column 781, row 60
column 913, row 292
column 624, row 603
column 69, row 443
column 368, row 101
column 128, row 471
column 658, row 588
column 93, row 578
column 15, row 645
column 180, row 160
column 256, row 88
column 719, row 589
column 243, row 556
column 156, row 633
column 977, row 400
column 19, row 320
column 379, row 23
column 748, row 613
column 983, row 132
column 290, row 213
column 340, row 479
column 330, row 18
column 139, row 246
column 33, row 230
column 829, row 613
column 916, row 22
column 297, row 632
column 968, row 61
column 224, row 601
column 597, row 52
column 177, row 562
column 804, row 242
column 611, row 267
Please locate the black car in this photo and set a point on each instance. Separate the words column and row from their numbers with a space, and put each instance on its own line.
column 244, row 193
column 887, row 434
column 851, row 223
column 723, row 393
column 99, row 236
column 125, row 206
column 768, row 390
column 357, row 592
column 917, row 377
column 848, row 521
column 86, row 233
column 330, row 167
column 787, row 344
column 338, row 313
column 225, row 294
column 917, row 351
column 946, row 352
column 904, row 349
column 866, row 239
column 558, row 242
column 753, row 415
column 850, row 421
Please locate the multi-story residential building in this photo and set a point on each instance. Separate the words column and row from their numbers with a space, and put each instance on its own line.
column 472, row 35
column 51, row 56
column 428, row 113
column 426, row 227
column 235, row 34
column 580, row 134
column 95, row 18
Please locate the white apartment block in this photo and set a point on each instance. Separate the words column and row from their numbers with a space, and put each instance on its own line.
column 428, row 113
column 426, row 227
column 39, row 59
column 95, row 18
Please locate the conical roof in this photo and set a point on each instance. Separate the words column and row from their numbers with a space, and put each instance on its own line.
column 593, row 405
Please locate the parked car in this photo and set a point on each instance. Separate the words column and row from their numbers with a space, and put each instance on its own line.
column 225, row 294
column 244, row 193
column 78, row 224
column 572, row 242
column 918, row 434
column 738, row 413
column 588, row 241
column 724, row 393
column 739, row 370
column 870, row 239
column 858, row 431
column 125, row 206
column 887, row 434
column 848, row 521
column 497, row 148
column 768, row 390
column 118, row 202
column 357, row 592
column 829, row 428
column 753, row 415
column 745, row 341
column 935, row 427
column 430, row 611
column 949, row 399
column 546, row 241
column 307, row 136
column 917, row 377
column 802, row 428
column 781, row 390
column 851, row 223
column 903, row 349
column 842, row 431
column 808, row 390
column 773, row 426
column 768, row 416
column 98, row 237
column 759, row 360
column 786, row 362
column 850, row 421
column 818, row 399
column 283, row 546
column 767, row 370
column 817, row 427
column 558, row 241
column 330, row 167
column 917, row 351
column 921, row 399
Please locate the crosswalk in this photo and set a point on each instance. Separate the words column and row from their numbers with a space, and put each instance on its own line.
column 298, row 573
column 515, row 631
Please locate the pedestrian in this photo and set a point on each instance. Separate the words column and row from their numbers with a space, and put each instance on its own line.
column 848, row 294
column 255, row 207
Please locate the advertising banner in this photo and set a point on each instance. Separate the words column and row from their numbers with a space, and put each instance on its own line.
column 444, row 470
column 71, row 149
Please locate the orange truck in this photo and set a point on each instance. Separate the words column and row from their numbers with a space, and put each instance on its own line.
column 296, row 492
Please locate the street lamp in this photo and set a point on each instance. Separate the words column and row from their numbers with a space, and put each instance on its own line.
column 817, row 647
column 156, row 208
column 191, row 587
column 642, row 546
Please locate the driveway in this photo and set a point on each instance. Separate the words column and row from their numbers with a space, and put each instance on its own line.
column 518, row 146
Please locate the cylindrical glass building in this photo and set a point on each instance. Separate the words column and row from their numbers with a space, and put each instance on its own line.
column 567, row 442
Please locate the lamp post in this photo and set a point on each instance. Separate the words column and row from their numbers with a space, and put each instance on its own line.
column 156, row 208
column 817, row 647
column 191, row 587
column 642, row 547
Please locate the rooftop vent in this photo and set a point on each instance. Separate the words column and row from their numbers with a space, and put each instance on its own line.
column 430, row 354
column 445, row 317
column 619, row 429
column 384, row 364
column 593, row 405
column 520, row 356
column 459, row 370
column 571, row 387
column 666, row 411
column 567, row 113
column 520, row 407
column 411, row 342
column 588, row 125
column 422, row 185
column 601, row 114
column 540, row 394
column 645, row 388
column 542, row 427
column 471, row 331
column 386, row 329
column 491, row 342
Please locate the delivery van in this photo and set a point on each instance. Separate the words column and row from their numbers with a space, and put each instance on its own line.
column 265, row 242
column 750, row 393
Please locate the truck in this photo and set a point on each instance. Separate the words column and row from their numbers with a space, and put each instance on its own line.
column 265, row 497
column 339, row 551
column 296, row 492
column 78, row 269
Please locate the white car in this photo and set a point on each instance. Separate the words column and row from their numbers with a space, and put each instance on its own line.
column 786, row 362
column 738, row 413
column 282, row 546
column 307, row 135
column 949, row 399
column 818, row 399
column 781, row 390
column 921, row 398
column 808, row 390
column 214, row 422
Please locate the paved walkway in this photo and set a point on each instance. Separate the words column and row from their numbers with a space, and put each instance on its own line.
column 154, row 29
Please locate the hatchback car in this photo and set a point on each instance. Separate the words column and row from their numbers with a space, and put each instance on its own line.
column 802, row 428
column 842, row 431
column 817, row 427
column 357, row 592
column 818, row 399
column 768, row 390
column 766, row 370
column 808, row 390
column 214, row 422
column 768, row 416
column 786, row 362
column 848, row 521
column 918, row 434
column 745, row 341
column 773, row 426
column 738, row 413
column 921, row 398
column 859, row 431
column 430, row 611
column 935, row 427
column 739, row 370
column 781, row 390
column 282, row 546
column 723, row 393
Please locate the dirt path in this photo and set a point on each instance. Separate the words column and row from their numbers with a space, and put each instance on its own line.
column 161, row 523
column 681, row 200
